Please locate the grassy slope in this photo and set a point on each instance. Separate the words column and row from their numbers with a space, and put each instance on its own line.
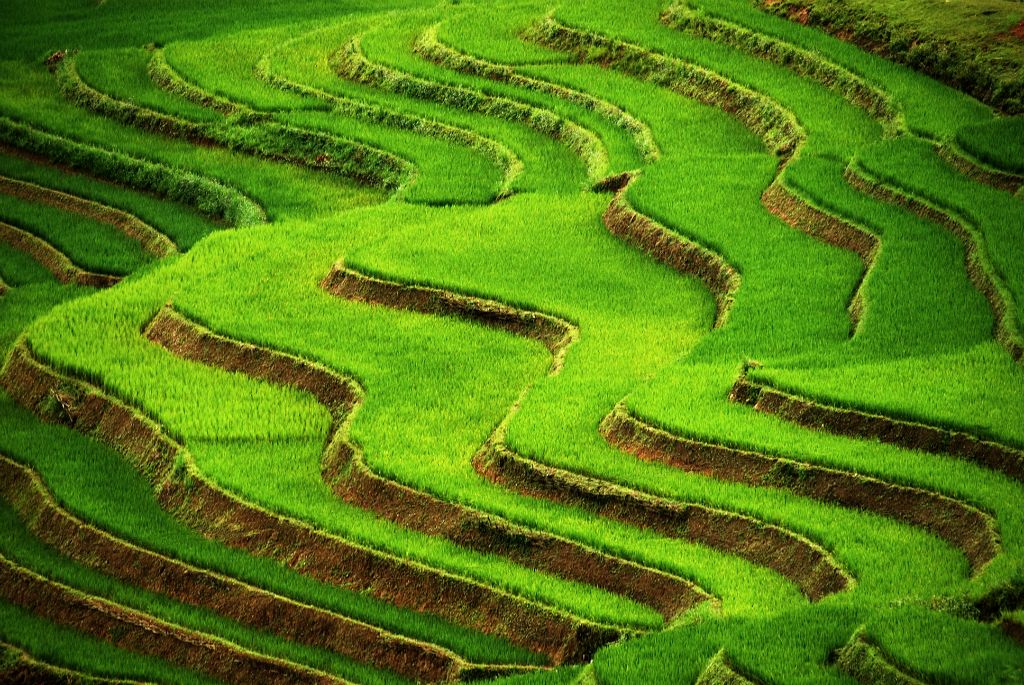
column 972, row 44
column 437, row 387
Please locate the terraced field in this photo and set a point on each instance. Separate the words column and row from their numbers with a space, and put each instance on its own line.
column 588, row 343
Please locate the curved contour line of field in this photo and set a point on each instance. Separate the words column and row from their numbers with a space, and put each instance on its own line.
column 149, row 238
column 23, row 489
column 812, row 569
column 217, row 514
column 345, row 470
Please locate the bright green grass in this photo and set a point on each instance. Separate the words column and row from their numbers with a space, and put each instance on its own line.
column 64, row 647
column 183, row 226
column 22, row 548
column 17, row 268
column 89, row 244
column 436, row 387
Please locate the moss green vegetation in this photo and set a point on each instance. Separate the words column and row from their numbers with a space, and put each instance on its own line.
column 975, row 45
column 624, row 212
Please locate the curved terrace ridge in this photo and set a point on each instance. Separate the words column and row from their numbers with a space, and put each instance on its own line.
column 350, row 63
column 979, row 266
column 262, row 139
column 346, row 471
column 141, row 633
column 719, row 671
column 209, row 197
column 856, row 423
column 150, row 239
column 169, row 80
column 965, row 527
column 500, row 155
column 803, row 562
column 24, row 490
column 431, row 48
column 52, row 259
column 19, row 667
column 184, row 492
column 867, row 663
column 670, row 248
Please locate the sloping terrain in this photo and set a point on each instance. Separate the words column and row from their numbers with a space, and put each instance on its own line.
column 462, row 341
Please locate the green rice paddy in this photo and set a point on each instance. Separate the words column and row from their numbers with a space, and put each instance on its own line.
column 583, row 165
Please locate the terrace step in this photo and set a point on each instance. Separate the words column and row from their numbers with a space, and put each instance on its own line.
column 52, row 259
column 138, row 632
column 429, row 47
column 963, row 526
column 665, row 246
column 808, row 566
column 912, row 435
column 22, row 488
column 346, row 471
column 266, row 140
column 980, row 269
column 866, row 663
column 150, row 239
column 219, row 515
column 720, row 672
column 978, row 171
column 19, row 668
column 211, row 198
column 350, row 63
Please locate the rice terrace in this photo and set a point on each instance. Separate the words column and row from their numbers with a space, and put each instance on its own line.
column 535, row 342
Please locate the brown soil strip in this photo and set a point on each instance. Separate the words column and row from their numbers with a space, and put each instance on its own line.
column 807, row 565
column 669, row 248
column 980, row 271
column 141, row 633
column 800, row 214
column 346, row 471
column 960, row 524
column 858, row 424
column 18, row 668
column 867, row 663
column 219, row 515
column 552, row 332
column 1013, row 629
column 52, row 259
column 24, row 490
column 151, row 240
column 810, row 567
column 960, row 161
column 766, row 118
